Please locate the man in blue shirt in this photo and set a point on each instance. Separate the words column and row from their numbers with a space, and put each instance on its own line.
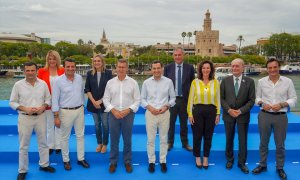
column 67, row 105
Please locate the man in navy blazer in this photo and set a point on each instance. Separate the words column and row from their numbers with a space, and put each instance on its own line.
column 237, row 99
column 186, row 74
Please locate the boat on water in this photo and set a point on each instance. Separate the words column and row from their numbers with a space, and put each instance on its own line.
column 291, row 68
column 222, row 72
column 3, row 73
column 251, row 71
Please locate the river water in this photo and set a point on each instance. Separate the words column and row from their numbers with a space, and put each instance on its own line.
column 6, row 85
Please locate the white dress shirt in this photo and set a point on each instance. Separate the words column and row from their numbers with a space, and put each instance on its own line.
column 66, row 93
column 24, row 94
column 282, row 91
column 121, row 94
column 158, row 93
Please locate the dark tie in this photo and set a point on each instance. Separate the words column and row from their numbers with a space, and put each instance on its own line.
column 179, row 85
column 236, row 86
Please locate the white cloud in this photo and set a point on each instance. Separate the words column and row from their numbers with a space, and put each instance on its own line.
column 39, row 8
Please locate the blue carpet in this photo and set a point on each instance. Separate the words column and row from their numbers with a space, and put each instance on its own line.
column 181, row 163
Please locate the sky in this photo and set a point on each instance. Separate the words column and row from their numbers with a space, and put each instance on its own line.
column 147, row 22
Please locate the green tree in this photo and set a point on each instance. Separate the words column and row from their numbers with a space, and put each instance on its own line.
column 250, row 50
column 100, row 49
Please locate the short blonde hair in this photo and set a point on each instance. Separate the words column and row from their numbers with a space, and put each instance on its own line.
column 56, row 56
column 103, row 63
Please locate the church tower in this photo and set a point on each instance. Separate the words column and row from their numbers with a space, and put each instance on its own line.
column 103, row 40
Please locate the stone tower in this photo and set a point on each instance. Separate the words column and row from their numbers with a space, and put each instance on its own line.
column 207, row 41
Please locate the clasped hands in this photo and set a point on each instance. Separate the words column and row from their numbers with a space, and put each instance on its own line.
column 274, row 107
column 34, row 110
column 155, row 111
column 120, row 114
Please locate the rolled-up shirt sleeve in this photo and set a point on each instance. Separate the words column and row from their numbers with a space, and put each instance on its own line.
column 14, row 98
column 292, row 96
column 107, row 98
column 136, row 98
column 144, row 102
column 172, row 94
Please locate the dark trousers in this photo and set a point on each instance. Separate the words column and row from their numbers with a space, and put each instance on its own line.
column 204, row 125
column 178, row 109
column 278, row 124
column 242, row 137
column 118, row 126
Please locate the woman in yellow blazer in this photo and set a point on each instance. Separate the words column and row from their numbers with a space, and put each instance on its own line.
column 204, row 110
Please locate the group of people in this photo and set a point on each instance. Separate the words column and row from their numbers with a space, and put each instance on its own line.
column 53, row 103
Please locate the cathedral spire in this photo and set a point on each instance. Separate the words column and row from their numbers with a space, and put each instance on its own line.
column 104, row 40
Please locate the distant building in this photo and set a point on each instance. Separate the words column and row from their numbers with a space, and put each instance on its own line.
column 207, row 41
column 23, row 38
column 118, row 48
column 169, row 48
column 260, row 43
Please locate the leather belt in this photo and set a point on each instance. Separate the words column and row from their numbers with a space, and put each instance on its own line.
column 273, row 113
column 34, row 114
column 72, row 108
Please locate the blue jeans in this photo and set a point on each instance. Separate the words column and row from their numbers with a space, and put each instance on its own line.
column 118, row 127
column 101, row 127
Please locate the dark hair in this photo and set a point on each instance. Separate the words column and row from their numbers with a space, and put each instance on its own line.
column 212, row 70
column 122, row 61
column 69, row 60
column 30, row 63
column 272, row 60
column 157, row 62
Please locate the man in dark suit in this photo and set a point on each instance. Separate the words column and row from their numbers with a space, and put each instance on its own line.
column 182, row 75
column 237, row 99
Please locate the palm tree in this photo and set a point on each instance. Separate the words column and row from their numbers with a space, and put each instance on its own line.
column 80, row 42
column 240, row 39
column 183, row 34
column 189, row 35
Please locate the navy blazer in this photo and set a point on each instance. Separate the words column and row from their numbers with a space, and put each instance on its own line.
column 91, row 85
column 244, row 100
column 187, row 77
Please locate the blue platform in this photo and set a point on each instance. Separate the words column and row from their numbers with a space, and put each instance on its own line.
column 181, row 163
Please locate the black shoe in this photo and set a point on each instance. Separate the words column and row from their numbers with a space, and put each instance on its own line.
column 205, row 167
column 51, row 151
column 243, row 168
column 229, row 164
column 151, row 167
column 199, row 166
column 163, row 167
column 170, row 146
column 112, row 168
column 47, row 169
column 21, row 176
column 259, row 169
column 58, row 151
column 67, row 166
column 83, row 163
column 187, row 147
column 281, row 174
column 128, row 168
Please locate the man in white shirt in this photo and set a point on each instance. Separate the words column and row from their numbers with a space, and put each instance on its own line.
column 157, row 97
column 121, row 99
column 67, row 106
column 274, row 94
column 30, row 96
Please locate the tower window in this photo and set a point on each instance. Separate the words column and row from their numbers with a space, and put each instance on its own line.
column 209, row 50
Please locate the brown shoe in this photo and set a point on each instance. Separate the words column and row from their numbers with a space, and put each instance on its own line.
column 112, row 168
column 67, row 166
column 103, row 149
column 128, row 167
column 99, row 147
